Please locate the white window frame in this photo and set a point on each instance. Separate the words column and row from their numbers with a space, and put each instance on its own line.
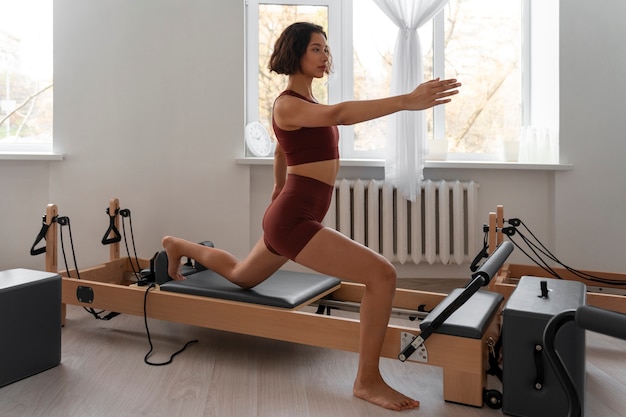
column 540, row 67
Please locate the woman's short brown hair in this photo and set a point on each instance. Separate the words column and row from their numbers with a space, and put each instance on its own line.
column 291, row 46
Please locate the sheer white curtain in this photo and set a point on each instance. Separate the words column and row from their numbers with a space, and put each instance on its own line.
column 406, row 138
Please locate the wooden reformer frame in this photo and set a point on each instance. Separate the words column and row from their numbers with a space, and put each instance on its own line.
column 509, row 275
column 464, row 360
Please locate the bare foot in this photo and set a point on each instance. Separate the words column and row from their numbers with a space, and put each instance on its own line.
column 379, row 393
column 173, row 258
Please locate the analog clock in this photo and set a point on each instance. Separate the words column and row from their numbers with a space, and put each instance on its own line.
column 258, row 140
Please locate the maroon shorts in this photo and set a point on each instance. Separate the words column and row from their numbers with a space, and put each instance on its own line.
column 296, row 215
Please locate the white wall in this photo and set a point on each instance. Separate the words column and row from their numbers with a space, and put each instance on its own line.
column 591, row 199
column 23, row 198
column 149, row 109
column 149, row 103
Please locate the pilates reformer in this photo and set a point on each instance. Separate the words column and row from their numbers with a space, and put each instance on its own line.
column 456, row 333
column 606, row 290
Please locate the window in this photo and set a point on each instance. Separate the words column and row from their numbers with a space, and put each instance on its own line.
column 265, row 22
column 26, row 76
column 483, row 43
column 272, row 19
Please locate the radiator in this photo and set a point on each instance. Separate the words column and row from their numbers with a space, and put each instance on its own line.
column 439, row 227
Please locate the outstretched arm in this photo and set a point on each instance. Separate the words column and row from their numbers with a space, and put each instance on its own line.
column 292, row 113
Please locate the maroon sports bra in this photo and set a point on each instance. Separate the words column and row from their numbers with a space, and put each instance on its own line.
column 307, row 144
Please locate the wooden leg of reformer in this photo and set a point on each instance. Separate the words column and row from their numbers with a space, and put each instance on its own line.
column 465, row 372
column 462, row 387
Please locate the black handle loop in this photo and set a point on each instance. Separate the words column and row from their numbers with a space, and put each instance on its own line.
column 106, row 240
column 41, row 236
column 481, row 255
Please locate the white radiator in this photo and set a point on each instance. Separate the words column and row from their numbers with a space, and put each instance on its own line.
column 439, row 227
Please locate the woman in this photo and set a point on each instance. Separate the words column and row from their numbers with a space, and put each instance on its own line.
column 306, row 162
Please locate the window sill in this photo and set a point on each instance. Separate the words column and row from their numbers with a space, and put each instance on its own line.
column 16, row 156
column 432, row 164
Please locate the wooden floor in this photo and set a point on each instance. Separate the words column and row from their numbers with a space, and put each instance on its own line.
column 102, row 373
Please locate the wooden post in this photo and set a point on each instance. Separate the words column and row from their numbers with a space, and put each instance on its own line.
column 499, row 225
column 492, row 233
column 495, row 235
column 114, row 248
column 496, row 224
column 52, row 264
column 51, row 239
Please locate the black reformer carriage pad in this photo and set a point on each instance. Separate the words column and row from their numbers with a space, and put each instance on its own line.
column 283, row 289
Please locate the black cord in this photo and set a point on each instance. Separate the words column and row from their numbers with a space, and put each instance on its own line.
column 475, row 265
column 538, row 248
column 580, row 274
column 539, row 261
column 65, row 221
column 126, row 213
column 145, row 319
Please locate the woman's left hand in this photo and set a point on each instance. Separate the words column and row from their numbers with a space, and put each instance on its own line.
column 432, row 93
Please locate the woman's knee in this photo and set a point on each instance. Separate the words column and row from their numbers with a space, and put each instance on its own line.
column 385, row 275
column 246, row 279
column 254, row 270
column 390, row 273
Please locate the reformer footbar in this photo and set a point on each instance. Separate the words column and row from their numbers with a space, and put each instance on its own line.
column 462, row 357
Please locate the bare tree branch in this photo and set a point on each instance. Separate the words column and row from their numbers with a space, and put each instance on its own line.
column 24, row 103
column 479, row 108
